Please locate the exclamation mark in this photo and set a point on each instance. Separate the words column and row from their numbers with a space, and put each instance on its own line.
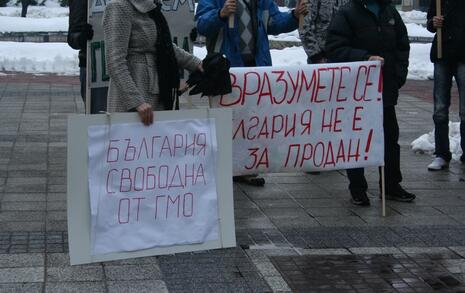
column 367, row 148
column 380, row 84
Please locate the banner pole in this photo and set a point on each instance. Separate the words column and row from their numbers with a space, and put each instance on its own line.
column 231, row 21
column 301, row 18
column 383, row 192
column 439, row 30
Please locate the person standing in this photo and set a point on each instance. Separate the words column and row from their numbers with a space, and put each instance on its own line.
column 143, row 63
column 24, row 5
column 373, row 30
column 79, row 32
column 245, row 44
column 315, row 27
column 451, row 64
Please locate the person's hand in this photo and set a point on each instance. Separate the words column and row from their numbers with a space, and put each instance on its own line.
column 301, row 8
column 377, row 58
column 438, row 21
column 228, row 9
column 145, row 113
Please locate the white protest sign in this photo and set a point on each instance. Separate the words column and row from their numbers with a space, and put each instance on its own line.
column 313, row 117
column 137, row 191
column 152, row 186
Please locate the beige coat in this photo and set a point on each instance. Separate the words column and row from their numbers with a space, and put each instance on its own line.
column 130, row 36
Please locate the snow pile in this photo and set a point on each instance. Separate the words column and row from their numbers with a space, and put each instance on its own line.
column 289, row 56
column 287, row 37
column 56, row 58
column 420, row 66
column 413, row 16
column 425, row 143
column 285, row 57
column 417, row 30
column 26, row 24
column 49, row 9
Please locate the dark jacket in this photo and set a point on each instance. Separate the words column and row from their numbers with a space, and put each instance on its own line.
column 453, row 31
column 356, row 33
column 77, row 22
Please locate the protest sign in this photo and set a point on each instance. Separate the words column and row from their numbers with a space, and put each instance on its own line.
column 138, row 191
column 311, row 118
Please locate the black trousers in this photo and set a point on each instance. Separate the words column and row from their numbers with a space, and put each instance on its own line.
column 392, row 172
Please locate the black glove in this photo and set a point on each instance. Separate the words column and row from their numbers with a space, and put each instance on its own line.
column 87, row 31
column 85, row 34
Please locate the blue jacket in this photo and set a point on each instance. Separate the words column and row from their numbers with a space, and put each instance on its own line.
column 222, row 39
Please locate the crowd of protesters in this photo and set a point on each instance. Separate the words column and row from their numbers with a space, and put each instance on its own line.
column 143, row 62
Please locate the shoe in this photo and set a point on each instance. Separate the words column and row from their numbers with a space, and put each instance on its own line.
column 360, row 198
column 438, row 164
column 397, row 193
column 253, row 180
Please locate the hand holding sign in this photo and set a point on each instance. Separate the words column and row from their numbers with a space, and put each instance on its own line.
column 146, row 113
column 228, row 10
column 377, row 58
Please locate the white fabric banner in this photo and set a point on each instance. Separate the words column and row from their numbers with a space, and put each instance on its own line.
column 312, row 117
column 152, row 186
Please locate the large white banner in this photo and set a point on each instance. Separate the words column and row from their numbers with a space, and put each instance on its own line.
column 152, row 186
column 313, row 117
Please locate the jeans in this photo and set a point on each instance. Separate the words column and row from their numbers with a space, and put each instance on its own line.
column 443, row 73
column 392, row 172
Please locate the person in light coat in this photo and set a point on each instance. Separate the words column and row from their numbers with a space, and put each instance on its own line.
column 143, row 63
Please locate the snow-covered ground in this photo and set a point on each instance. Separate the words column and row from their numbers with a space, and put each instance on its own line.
column 38, row 58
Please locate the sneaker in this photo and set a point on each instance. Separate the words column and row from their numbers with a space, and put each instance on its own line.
column 438, row 164
column 397, row 193
column 360, row 198
column 253, row 180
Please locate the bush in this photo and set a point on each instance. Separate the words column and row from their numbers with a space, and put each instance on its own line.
column 64, row 3
column 3, row 3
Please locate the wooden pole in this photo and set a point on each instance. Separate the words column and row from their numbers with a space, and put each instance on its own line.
column 439, row 30
column 231, row 21
column 383, row 192
column 301, row 17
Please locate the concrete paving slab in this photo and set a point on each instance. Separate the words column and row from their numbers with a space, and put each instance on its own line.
column 72, row 287
column 22, row 275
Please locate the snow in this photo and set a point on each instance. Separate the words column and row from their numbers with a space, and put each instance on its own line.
column 416, row 30
column 39, row 58
column 26, row 24
column 420, row 66
column 425, row 143
column 413, row 16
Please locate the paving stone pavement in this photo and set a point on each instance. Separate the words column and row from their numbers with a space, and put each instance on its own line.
column 297, row 228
